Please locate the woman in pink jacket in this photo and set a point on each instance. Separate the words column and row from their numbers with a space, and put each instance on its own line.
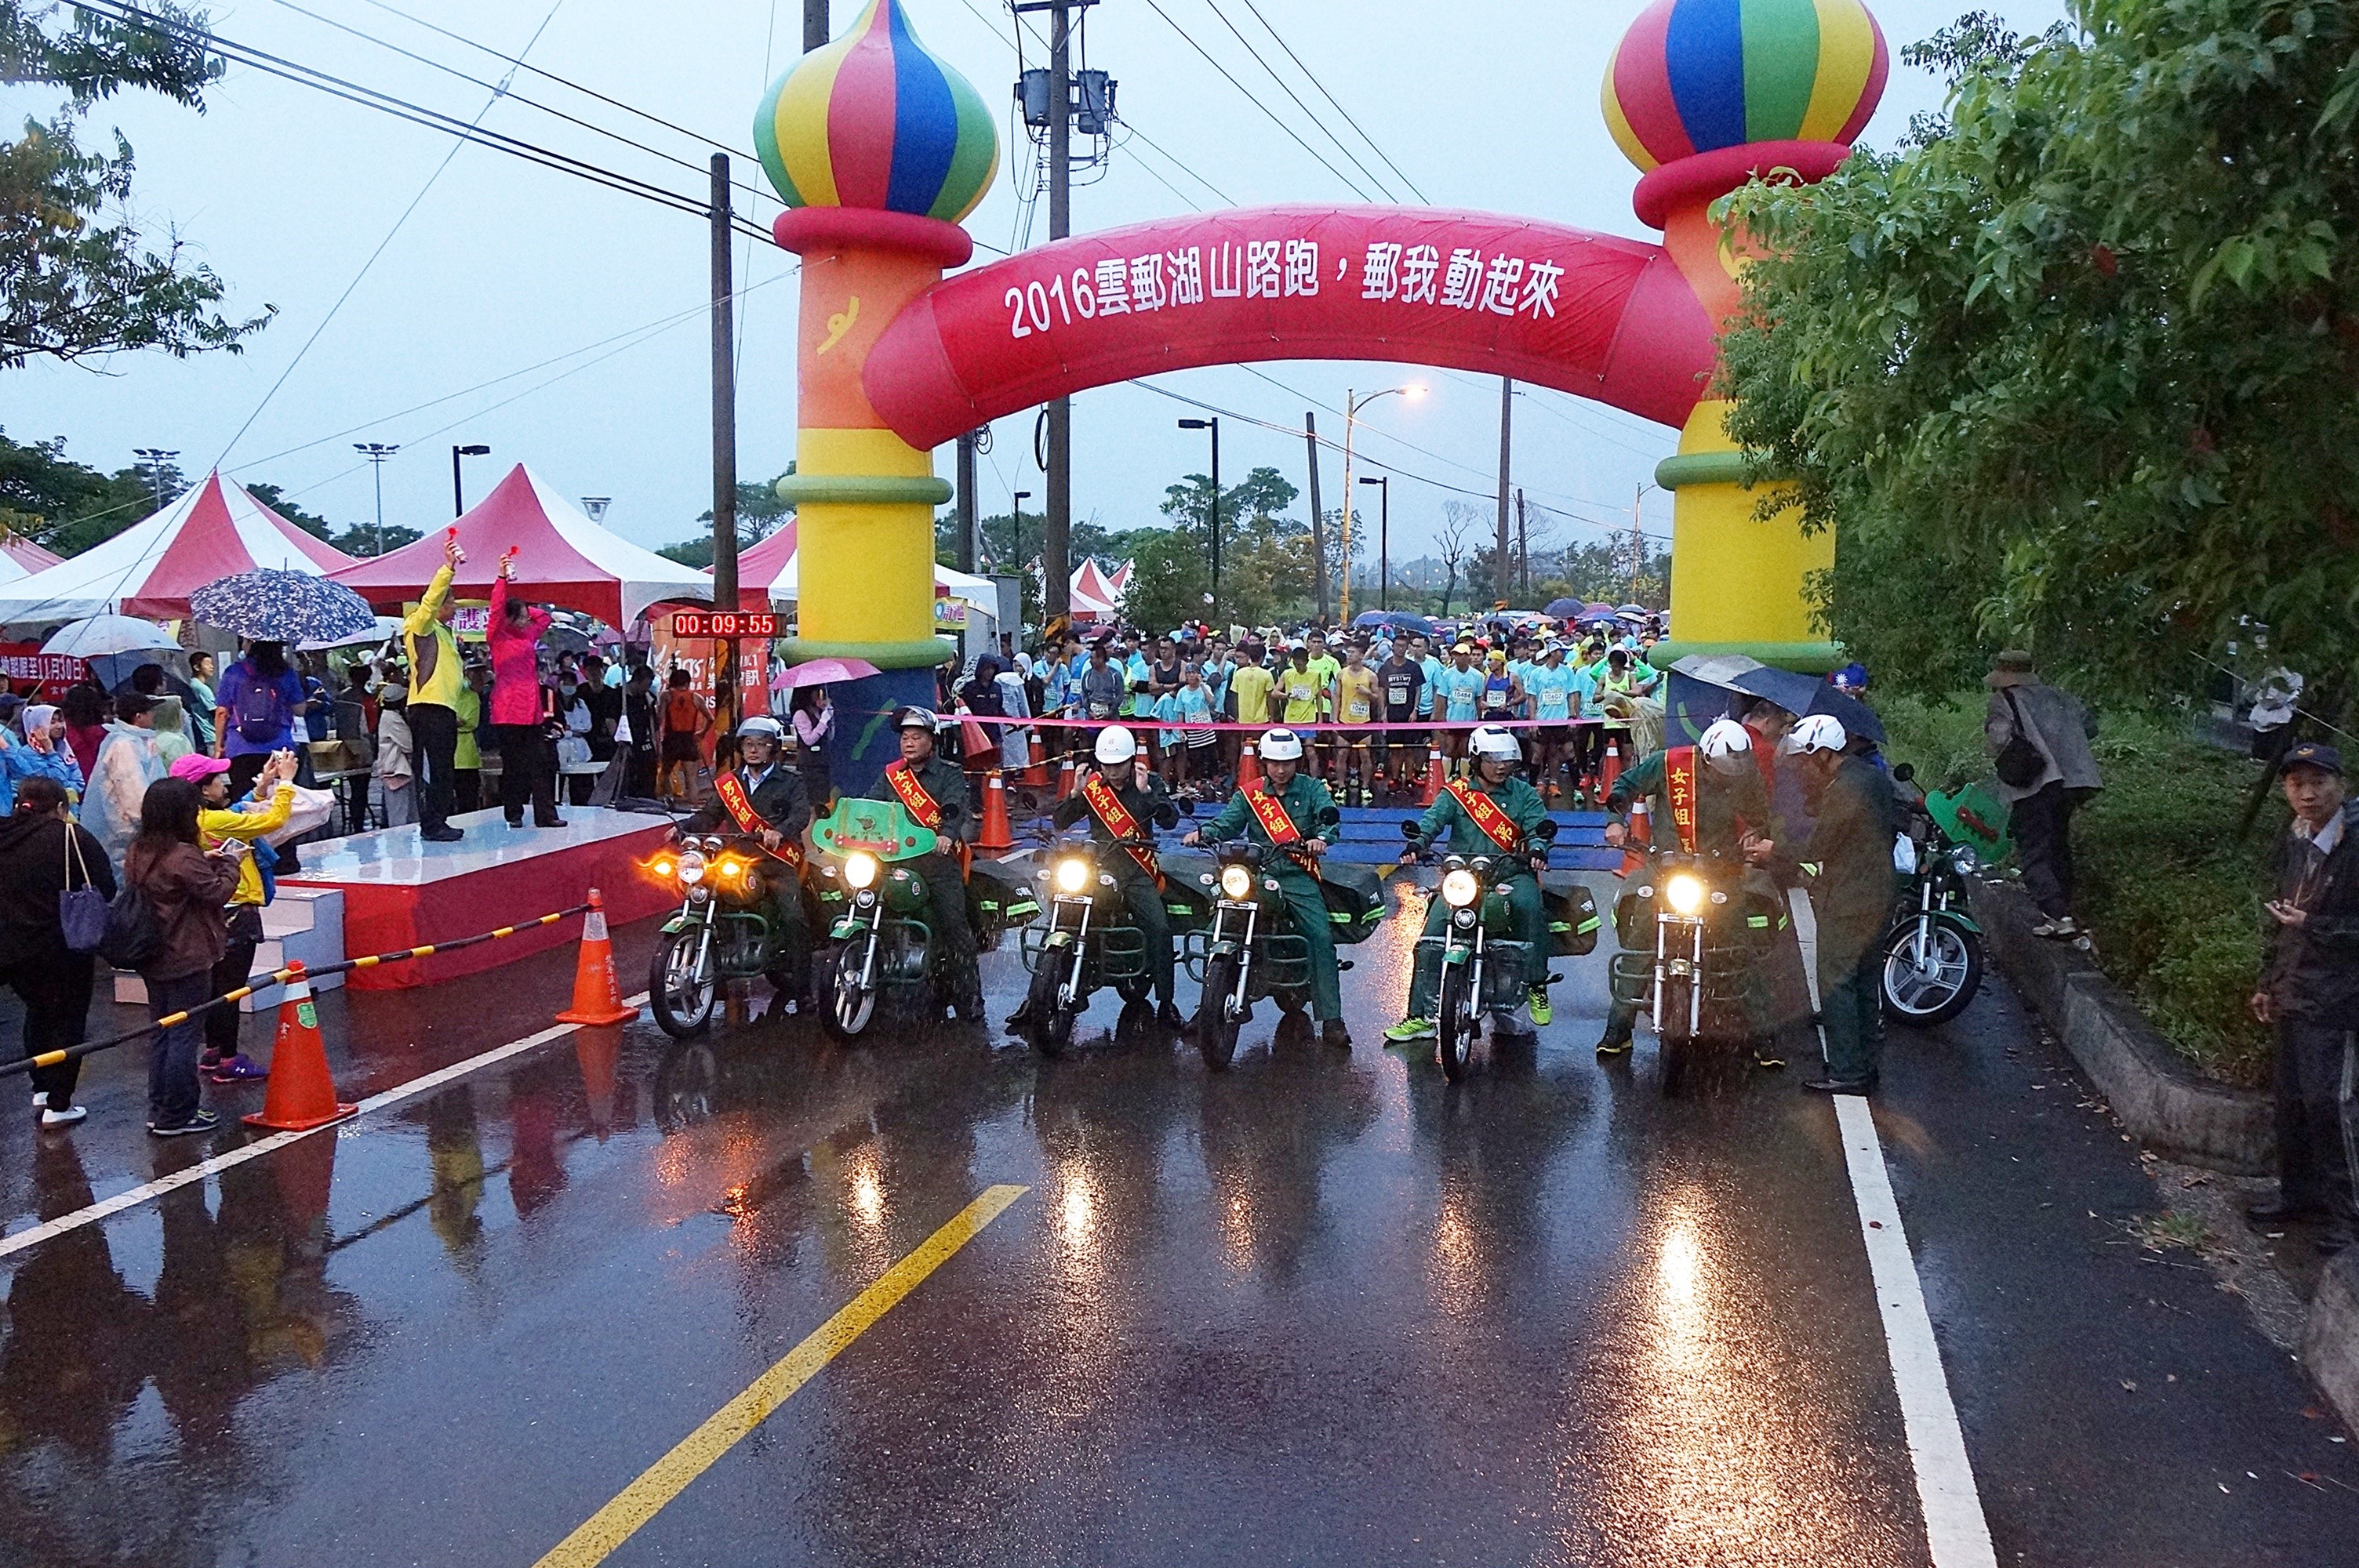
column 527, row 764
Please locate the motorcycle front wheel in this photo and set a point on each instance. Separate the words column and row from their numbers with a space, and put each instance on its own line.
column 681, row 994
column 1047, row 1026
column 1676, row 1046
column 1216, row 1026
column 1940, row 988
column 848, row 1006
column 1456, row 1029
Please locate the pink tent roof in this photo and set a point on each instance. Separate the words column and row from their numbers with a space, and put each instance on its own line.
column 1092, row 595
column 563, row 558
column 213, row 530
column 765, row 564
column 28, row 556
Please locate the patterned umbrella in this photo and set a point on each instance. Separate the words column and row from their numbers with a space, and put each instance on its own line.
column 282, row 607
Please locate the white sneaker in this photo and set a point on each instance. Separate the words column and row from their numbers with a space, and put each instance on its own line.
column 65, row 1117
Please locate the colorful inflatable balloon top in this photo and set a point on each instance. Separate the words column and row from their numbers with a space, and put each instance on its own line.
column 1695, row 76
column 876, row 120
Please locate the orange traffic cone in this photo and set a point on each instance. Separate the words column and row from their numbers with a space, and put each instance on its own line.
column 596, row 997
column 1610, row 769
column 1035, row 774
column 1248, row 767
column 1434, row 770
column 1642, row 834
column 1065, row 778
column 995, row 833
column 302, row 1096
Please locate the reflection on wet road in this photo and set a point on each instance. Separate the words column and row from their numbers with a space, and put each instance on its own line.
column 1321, row 1308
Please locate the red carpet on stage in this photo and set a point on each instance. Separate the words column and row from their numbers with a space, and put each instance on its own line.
column 400, row 891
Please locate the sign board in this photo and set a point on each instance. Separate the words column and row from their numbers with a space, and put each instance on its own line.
column 25, row 662
column 723, row 623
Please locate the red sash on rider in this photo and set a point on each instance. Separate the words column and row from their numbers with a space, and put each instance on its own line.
column 1107, row 806
column 924, row 807
column 1679, row 785
column 1496, row 825
column 1270, row 811
column 750, row 822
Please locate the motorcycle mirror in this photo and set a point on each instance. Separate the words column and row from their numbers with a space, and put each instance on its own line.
column 1904, row 773
column 1546, row 831
column 1187, row 807
column 1408, row 828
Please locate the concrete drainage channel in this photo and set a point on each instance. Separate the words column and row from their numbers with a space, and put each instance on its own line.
column 2174, row 1113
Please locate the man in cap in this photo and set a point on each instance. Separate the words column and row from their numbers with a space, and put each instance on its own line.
column 1289, row 810
column 934, row 792
column 1490, row 812
column 1848, row 871
column 1125, row 800
column 763, row 801
column 2309, row 985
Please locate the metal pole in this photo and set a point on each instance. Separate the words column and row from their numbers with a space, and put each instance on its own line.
column 725, row 452
column 1523, row 549
column 1506, row 426
column 1384, row 542
column 1318, row 523
column 1215, row 616
column 966, row 504
column 458, row 495
column 376, row 533
column 815, row 28
column 1056, row 544
column 1351, row 415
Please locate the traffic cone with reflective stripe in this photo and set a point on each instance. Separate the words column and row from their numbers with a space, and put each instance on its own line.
column 1611, row 768
column 302, row 1095
column 1248, row 767
column 996, row 832
column 1065, row 779
column 1642, row 834
column 1435, row 770
column 1036, row 772
column 597, row 999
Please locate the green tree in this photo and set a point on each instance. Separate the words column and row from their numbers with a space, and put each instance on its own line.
column 759, row 512
column 2073, row 369
column 73, row 284
column 360, row 539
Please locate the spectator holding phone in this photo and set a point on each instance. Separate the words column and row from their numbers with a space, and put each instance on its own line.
column 187, row 889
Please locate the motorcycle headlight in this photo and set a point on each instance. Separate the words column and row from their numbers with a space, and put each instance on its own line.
column 1236, row 882
column 860, row 868
column 691, row 868
column 1685, row 894
column 1964, row 860
column 1458, row 888
column 1072, row 875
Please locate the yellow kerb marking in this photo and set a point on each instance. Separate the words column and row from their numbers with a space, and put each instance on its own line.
column 669, row 1476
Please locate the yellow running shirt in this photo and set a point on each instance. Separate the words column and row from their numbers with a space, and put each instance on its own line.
column 1300, row 688
column 1252, row 684
column 1357, row 690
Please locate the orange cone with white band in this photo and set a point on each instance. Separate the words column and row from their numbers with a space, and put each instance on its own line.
column 1435, row 770
column 597, row 999
column 1611, row 769
column 996, row 833
column 1036, row 772
column 1065, row 779
column 1641, row 835
column 302, row 1095
column 1248, row 767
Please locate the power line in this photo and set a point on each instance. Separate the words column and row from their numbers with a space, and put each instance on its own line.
column 1131, row 130
column 1251, row 97
column 1374, row 178
column 1331, row 98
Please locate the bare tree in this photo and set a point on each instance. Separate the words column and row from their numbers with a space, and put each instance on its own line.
column 1457, row 519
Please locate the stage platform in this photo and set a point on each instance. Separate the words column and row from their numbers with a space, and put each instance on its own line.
column 401, row 892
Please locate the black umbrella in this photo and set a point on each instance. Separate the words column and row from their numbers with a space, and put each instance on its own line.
column 1564, row 609
column 1801, row 694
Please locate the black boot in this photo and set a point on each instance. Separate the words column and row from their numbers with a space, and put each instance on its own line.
column 1333, row 1032
column 1168, row 1015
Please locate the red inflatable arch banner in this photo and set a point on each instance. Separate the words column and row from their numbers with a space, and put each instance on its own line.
column 1593, row 314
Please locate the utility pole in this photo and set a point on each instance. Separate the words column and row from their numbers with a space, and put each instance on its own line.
column 1057, row 574
column 1384, row 484
column 1506, row 427
column 966, row 504
column 155, row 459
column 1523, row 549
column 815, row 28
column 1213, row 425
column 1318, row 521
column 725, row 453
column 377, row 452
column 1637, row 540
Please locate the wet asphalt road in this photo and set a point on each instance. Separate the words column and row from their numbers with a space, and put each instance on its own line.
column 1322, row 1308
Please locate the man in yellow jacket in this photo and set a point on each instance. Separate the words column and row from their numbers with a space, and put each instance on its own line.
column 436, row 679
column 217, row 823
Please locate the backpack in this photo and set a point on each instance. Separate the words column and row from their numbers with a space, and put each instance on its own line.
column 2020, row 763
column 261, row 710
column 134, row 933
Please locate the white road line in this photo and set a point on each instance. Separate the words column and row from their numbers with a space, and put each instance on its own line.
column 1954, row 1526
column 34, row 1236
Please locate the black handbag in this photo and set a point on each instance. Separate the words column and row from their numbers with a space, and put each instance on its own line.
column 2020, row 763
column 82, row 911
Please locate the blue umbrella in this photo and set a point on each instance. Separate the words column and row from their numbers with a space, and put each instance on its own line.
column 1563, row 609
column 282, row 607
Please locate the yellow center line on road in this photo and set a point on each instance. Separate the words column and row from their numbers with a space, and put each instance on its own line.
column 669, row 1476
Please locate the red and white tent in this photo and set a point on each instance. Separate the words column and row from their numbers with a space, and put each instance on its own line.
column 215, row 530
column 563, row 558
column 20, row 559
column 1095, row 595
column 771, row 572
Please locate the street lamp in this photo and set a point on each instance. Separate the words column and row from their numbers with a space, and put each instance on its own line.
column 1384, row 540
column 1215, row 426
column 1637, row 538
column 1021, row 497
column 1352, row 404
column 594, row 507
column 153, row 460
column 458, row 496
column 377, row 452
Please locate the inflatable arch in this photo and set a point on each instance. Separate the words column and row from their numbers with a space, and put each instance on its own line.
column 880, row 150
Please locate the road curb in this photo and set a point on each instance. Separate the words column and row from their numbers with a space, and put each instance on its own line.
column 2329, row 1338
column 2164, row 1103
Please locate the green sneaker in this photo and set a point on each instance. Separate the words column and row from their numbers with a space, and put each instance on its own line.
column 1409, row 1029
column 1540, row 1010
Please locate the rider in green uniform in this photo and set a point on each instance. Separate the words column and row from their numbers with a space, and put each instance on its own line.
column 1732, row 813
column 1312, row 810
column 777, row 812
column 942, row 783
column 1141, row 792
column 1517, row 875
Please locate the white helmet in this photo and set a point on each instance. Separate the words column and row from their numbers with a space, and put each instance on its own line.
column 761, row 727
column 1726, row 745
column 1494, row 744
column 1281, row 746
column 1116, row 745
column 1814, row 732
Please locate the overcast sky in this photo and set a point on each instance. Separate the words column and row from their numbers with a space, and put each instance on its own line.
column 502, row 266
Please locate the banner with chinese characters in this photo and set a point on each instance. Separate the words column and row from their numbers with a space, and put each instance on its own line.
column 1590, row 314
column 23, row 664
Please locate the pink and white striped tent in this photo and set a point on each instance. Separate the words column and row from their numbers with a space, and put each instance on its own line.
column 1094, row 593
column 215, row 530
column 770, row 572
column 20, row 559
